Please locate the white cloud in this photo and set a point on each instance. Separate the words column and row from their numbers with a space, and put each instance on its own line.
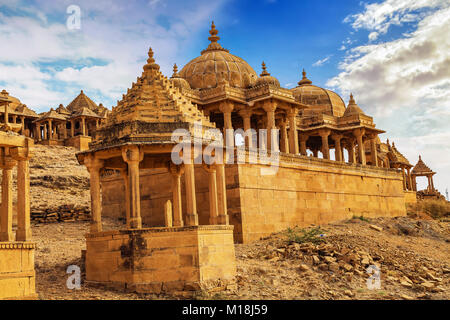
column 379, row 17
column 114, row 40
column 405, row 83
column 321, row 62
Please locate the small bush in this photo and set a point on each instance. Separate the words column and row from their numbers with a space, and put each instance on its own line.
column 313, row 235
column 362, row 218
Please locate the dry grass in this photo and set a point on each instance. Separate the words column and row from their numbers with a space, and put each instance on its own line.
column 436, row 209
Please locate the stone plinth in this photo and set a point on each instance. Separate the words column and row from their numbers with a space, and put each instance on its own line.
column 79, row 142
column 17, row 275
column 162, row 259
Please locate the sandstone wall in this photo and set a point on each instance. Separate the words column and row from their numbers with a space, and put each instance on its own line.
column 17, row 275
column 307, row 191
column 303, row 191
column 162, row 259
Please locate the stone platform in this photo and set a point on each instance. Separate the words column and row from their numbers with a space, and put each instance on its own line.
column 159, row 260
column 17, row 275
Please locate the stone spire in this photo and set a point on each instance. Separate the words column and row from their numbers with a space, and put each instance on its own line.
column 264, row 68
column 304, row 80
column 151, row 65
column 214, row 38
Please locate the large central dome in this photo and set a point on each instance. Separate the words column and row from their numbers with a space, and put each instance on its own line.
column 216, row 66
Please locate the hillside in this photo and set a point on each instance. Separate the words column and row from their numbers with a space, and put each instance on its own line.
column 412, row 253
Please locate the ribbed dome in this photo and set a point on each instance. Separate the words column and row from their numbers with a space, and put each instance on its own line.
column 177, row 81
column 352, row 108
column 321, row 99
column 266, row 78
column 216, row 66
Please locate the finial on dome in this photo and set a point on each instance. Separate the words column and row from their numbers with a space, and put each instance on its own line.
column 420, row 158
column 175, row 71
column 352, row 100
column 304, row 80
column 82, row 92
column 151, row 65
column 264, row 72
column 213, row 32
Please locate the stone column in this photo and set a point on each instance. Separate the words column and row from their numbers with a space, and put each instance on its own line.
column 226, row 108
column 359, row 133
column 6, row 113
column 325, row 133
column 272, row 143
column 133, row 156
column 94, row 165
column 404, row 178
column 23, row 197
column 126, row 183
column 337, row 147
column 176, row 172
column 65, row 130
column 373, row 150
column 213, row 201
column 45, row 132
column 284, row 139
column 246, row 116
column 303, row 139
column 222, row 195
column 410, row 184
column 83, row 126
column 22, row 120
column 72, row 129
column 351, row 151
column 6, row 232
column 191, row 199
column 432, row 183
column 293, row 136
column 50, row 130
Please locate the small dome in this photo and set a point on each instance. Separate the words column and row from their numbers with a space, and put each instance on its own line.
column 216, row 66
column 321, row 100
column 352, row 108
column 266, row 78
column 177, row 81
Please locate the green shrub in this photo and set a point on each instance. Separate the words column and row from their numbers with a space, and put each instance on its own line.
column 362, row 218
column 313, row 235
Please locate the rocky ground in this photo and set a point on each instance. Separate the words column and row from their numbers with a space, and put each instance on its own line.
column 411, row 254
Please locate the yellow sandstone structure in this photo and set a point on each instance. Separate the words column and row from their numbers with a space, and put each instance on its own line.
column 331, row 164
column 17, row 275
column 180, row 254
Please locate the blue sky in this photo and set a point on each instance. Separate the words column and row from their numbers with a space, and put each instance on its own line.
column 392, row 54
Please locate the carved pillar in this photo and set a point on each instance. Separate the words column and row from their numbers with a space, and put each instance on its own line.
column 404, row 178
column 246, row 116
column 22, row 120
column 94, row 165
column 133, row 156
column 226, row 108
column 72, row 129
column 213, row 201
column 272, row 143
column 191, row 199
column 373, row 150
column 83, row 126
column 359, row 133
column 6, row 232
column 337, row 147
column 325, row 133
column 50, row 130
column 6, row 115
column 176, row 172
column 222, row 194
column 351, row 151
column 126, row 183
column 303, row 139
column 293, row 136
column 23, row 155
column 284, row 139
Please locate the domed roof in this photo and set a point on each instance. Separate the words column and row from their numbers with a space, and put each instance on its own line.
column 352, row 108
column 266, row 78
column 177, row 81
column 321, row 99
column 216, row 66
